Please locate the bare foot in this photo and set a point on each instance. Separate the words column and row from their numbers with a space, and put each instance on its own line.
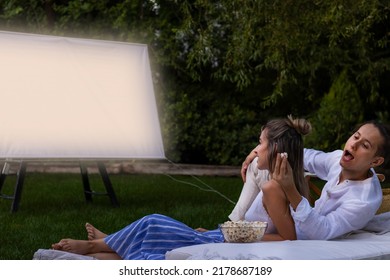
column 94, row 233
column 56, row 246
column 80, row 247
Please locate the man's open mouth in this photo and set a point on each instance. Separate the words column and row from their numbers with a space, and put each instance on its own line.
column 348, row 156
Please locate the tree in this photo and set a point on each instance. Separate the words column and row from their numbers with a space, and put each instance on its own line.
column 341, row 109
column 222, row 68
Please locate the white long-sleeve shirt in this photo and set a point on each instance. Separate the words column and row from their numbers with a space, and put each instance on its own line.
column 250, row 204
column 255, row 179
column 342, row 207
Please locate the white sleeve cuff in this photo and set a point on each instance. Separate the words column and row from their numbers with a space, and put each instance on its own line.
column 302, row 211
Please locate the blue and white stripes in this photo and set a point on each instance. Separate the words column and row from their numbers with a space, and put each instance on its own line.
column 150, row 237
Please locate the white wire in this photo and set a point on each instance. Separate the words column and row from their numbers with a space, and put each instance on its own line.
column 209, row 188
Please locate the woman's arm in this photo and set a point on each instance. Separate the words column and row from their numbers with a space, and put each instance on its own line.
column 277, row 206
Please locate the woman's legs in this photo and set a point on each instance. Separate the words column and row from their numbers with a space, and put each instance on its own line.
column 82, row 247
column 147, row 238
column 93, row 247
column 94, row 233
column 152, row 236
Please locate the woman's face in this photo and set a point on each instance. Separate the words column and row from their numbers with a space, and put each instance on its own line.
column 360, row 150
column 262, row 150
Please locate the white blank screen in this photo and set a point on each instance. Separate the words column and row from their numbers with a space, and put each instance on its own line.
column 76, row 98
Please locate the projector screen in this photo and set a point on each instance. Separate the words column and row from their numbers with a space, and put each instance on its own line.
column 76, row 98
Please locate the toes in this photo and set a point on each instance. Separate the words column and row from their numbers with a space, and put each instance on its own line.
column 64, row 244
column 56, row 246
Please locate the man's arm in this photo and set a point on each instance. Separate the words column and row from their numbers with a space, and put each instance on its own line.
column 252, row 155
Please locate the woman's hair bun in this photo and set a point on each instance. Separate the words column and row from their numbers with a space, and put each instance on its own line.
column 302, row 126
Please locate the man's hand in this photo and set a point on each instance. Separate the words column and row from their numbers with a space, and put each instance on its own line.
column 282, row 171
column 283, row 174
column 252, row 155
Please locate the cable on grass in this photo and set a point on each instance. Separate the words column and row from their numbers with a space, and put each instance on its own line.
column 207, row 189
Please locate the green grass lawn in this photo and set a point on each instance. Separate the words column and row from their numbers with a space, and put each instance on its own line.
column 53, row 207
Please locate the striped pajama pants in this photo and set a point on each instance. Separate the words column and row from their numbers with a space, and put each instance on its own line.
column 150, row 237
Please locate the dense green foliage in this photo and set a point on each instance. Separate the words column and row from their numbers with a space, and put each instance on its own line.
column 222, row 68
column 339, row 112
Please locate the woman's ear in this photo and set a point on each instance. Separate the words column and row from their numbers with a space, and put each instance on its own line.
column 377, row 161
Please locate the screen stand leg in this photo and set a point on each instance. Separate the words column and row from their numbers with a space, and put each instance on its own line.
column 20, row 175
column 87, row 187
column 107, row 183
column 3, row 176
column 19, row 186
column 88, row 192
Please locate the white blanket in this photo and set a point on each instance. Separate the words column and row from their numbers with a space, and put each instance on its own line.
column 372, row 242
column 380, row 224
column 49, row 254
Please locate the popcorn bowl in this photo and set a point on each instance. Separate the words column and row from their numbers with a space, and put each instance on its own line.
column 243, row 231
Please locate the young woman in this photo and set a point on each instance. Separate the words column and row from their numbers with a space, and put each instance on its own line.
column 152, row 236
column 265, row 197
column 352, row 194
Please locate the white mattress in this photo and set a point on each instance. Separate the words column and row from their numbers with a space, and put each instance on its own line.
column 373, row 242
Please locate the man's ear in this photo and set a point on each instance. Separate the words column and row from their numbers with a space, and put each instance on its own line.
column 377, row 161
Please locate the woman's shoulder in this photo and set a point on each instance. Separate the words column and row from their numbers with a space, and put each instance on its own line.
column 272, row 184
